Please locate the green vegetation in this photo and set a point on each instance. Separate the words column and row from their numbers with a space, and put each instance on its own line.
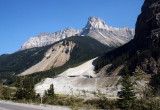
column 6, row 93
column 11, row 65
column 25, row 90
column 127, row 94
column 18, row 62
column 20, row 90
column 126, row 102
column 132, row 58
column 117, row 56
column 124, row 55
column 7, row 78
column 86, row 48
column 49, row 96
column 155, row 83
column 51, row 91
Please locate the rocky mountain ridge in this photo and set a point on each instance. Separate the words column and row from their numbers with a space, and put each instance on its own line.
column 109, row 36
column 96, row 28
column 44, row 39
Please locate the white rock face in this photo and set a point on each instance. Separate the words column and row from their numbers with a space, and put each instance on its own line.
column 83, row 81
column 96, row 22
column 44, row 39
column 109, row 36
column 76, row 81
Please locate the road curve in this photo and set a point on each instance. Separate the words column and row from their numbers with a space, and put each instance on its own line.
column 6, row 105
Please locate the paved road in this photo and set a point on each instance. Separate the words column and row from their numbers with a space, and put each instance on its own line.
column 17, row 106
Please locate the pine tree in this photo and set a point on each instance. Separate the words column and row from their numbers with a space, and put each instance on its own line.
column 6, row 93
column 1, row 91
column 51, row 91
column 127, row 94
column 140, row 75
column 29, row 88
column 20, row 89
column 45, row 97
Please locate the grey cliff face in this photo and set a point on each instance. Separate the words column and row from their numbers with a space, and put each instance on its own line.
column 148, row 25
column 109, row 36
column 147, row 34
column 44, row 39
column 95, row 23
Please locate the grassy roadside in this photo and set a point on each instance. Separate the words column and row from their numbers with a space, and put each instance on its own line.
column 74, row 102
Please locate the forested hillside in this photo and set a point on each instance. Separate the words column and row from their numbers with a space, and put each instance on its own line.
column 86, row 48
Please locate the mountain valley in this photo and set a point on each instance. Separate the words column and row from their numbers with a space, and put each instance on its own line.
column 61, row 55
column 101, row 67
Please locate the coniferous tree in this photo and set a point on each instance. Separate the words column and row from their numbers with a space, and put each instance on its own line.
column 127, row 95
column 45, row 97
column 6, row 93
column 1, row 91
column 29, row 88
column 20, row 89
column 51, row 91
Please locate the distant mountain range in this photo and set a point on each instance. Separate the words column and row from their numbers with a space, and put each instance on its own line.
column 95, row 28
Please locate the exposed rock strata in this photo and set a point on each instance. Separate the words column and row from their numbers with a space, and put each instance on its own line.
column 56, row 56
column 44, row 39
column 109, row 36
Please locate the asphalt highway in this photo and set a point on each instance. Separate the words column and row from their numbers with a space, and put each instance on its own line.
column 18, row 106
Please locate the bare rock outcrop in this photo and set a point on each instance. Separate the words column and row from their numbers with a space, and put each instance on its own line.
column 147, row 32
column 44, row 39
column 56, row 56
column 109, row 36
column 150, row 65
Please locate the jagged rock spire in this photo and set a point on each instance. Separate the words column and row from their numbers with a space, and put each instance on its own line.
column 95, row 22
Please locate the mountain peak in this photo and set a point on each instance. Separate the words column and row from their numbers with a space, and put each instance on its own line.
column 69, row 28
column 96, row 22
column 110, row 36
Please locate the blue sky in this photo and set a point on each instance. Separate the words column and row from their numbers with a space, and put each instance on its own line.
column 22, row 19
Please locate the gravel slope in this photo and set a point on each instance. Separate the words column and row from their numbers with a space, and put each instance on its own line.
column 74, row 81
